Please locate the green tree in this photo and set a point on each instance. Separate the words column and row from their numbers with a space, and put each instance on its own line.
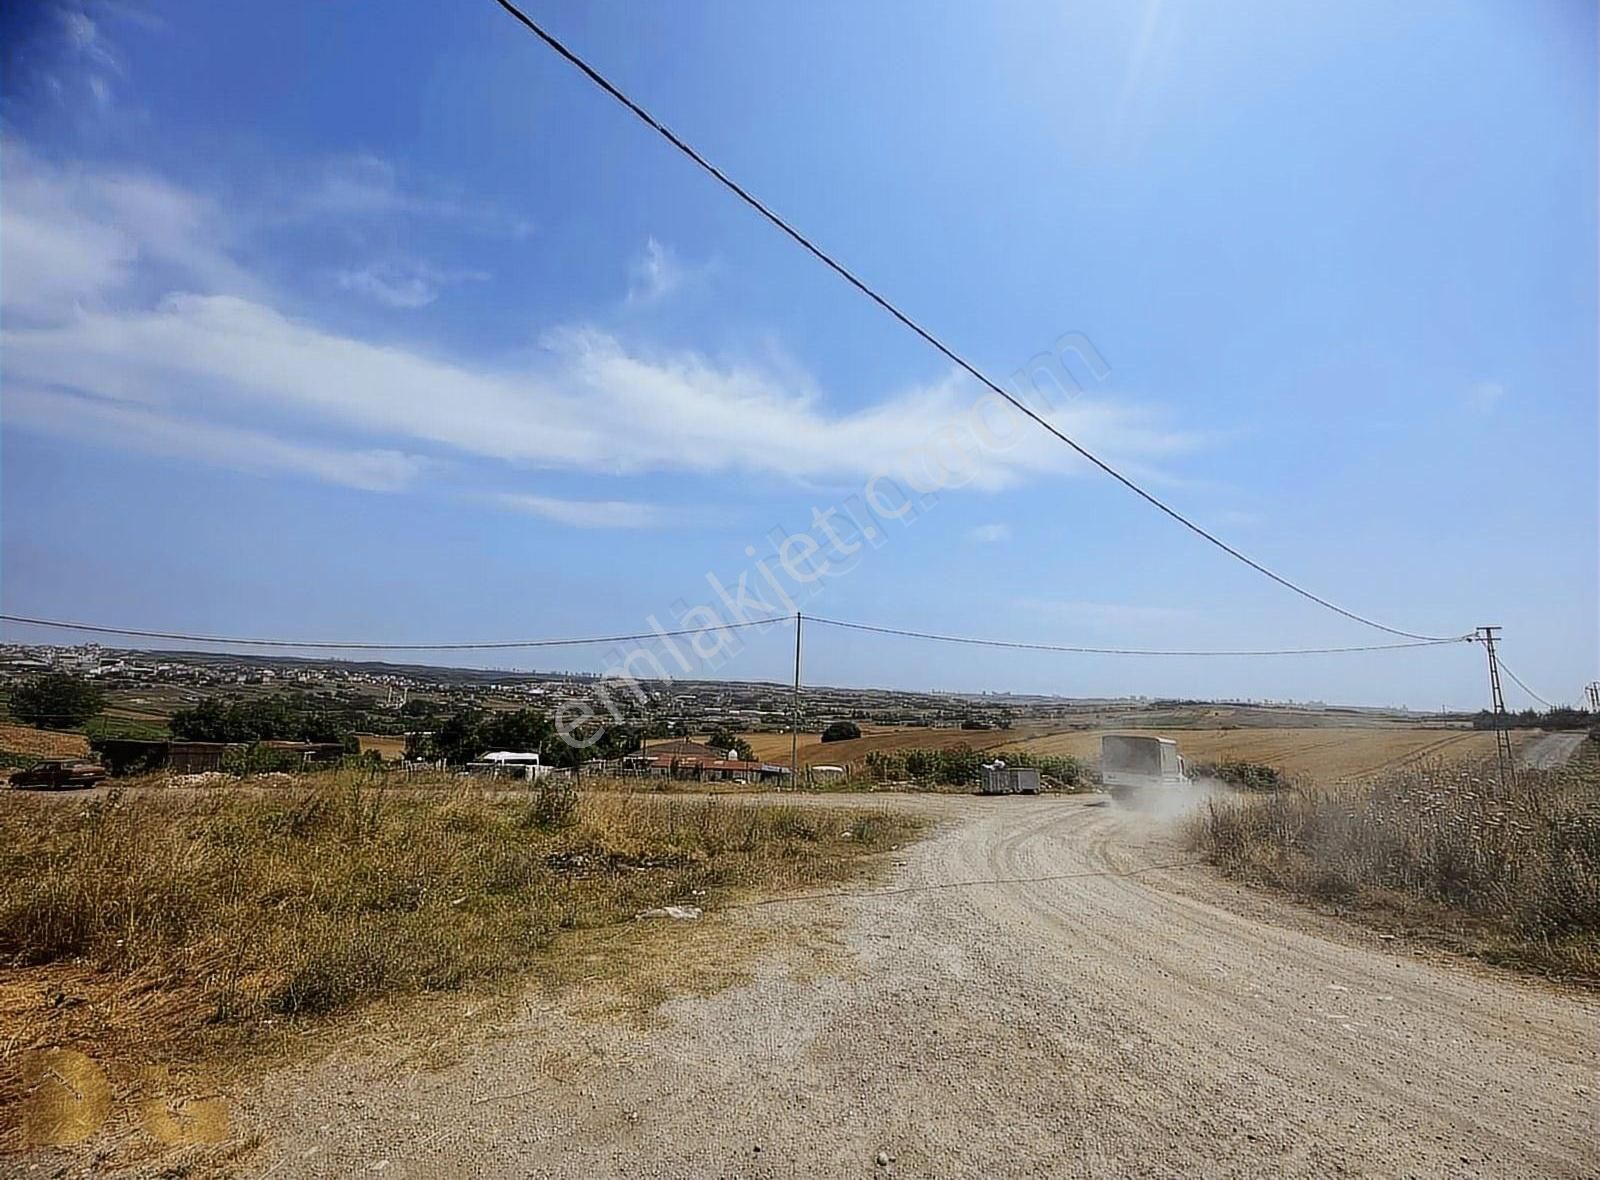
column 459, row 737
column 420, row 747
column 841, row 731
column 297, row 718
column 57, row 700
column 723, row 739
column 525, row 731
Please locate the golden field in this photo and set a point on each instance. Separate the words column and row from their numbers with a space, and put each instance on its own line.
column 1320, row 752
column 42, row 743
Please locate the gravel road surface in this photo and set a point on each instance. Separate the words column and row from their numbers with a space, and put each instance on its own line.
column 1029, row 1001
column 1551, row 750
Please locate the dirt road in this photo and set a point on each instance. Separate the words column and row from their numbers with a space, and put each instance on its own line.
column 1104, row 1022
column 1550, row 750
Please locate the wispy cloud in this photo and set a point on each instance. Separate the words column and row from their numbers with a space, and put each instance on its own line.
column 86, row 39
column 655, row 274
column 89, row 254
column 594, row 406
column 78, row 237
column 405, row 285
column 151, row 432
column 990, row 534
column 587, row 514
column 363, row 186
column 91, row 54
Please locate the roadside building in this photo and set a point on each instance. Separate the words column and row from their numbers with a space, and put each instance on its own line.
column 123, row 756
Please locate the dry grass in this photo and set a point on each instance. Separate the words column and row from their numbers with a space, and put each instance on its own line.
column 157, row 928
column 1510, row 874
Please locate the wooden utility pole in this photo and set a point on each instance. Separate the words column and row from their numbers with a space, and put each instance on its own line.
column 1502, row 734
column 794, row 720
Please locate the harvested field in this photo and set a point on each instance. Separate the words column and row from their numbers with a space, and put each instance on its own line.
column 42, row 743
column 1323, row 752
column 389, row 747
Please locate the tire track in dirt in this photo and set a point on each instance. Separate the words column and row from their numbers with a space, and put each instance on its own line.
column 1163, row 1024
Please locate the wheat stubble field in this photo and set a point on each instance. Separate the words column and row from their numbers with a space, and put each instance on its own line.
column 1321, row 752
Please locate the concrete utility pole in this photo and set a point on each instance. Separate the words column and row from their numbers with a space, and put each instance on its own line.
column 794, row 721
column 1502, row 734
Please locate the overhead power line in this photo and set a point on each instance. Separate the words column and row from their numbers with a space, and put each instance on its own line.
column 1131, row 651
column 328, row 645
column 646, row 636
column 1517, row 680
column 945, row 350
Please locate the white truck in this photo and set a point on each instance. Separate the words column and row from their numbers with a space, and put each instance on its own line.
column 1129, row 764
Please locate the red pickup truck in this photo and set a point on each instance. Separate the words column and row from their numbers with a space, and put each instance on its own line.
column 59, row 773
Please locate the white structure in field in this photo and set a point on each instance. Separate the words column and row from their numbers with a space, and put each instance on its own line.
column 509, row 764
column 1000, row 779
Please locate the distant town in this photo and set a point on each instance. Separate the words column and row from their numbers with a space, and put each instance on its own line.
column 145, row 687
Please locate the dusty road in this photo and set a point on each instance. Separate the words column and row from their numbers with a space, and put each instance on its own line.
column 1097, row 1024
column 1550, row 750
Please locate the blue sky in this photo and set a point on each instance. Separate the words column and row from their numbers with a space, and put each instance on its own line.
column 332, row 321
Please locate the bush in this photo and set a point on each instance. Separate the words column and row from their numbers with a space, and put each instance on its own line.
column 1558, row 718
column 960, row 766
column 56, row 700
column 1251, row 776
column 555, row 803
column 841, row 731
column 1071, row 773
column 257, row 759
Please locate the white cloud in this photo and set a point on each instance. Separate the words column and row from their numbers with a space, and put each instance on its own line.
column 120, row 287
column 72, row 235
column 990, row 534
column 655, row 274
column 404, row 285
column 596, row 406
column 130, row 427
column 587, row 514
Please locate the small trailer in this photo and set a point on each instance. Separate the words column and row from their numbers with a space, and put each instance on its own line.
column 1129, row 764
column 1000, row 779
